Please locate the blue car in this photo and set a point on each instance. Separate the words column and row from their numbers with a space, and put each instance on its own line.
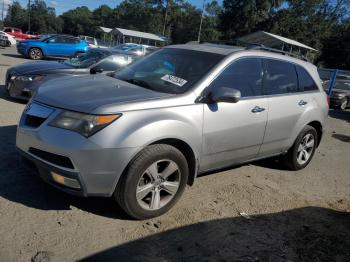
column 52, row 45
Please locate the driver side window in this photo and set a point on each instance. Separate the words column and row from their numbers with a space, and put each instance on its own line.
column 244, row 74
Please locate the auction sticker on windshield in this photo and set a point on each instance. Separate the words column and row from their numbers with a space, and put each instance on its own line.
column 174, row 80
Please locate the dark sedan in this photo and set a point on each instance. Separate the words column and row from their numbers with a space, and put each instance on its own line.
column 340, row 97
column 23, row 80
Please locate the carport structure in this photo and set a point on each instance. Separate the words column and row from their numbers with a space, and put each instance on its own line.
column 275, row 41
column 126, row 35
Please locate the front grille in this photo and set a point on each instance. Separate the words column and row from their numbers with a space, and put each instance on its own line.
column 33, row 121
column 52, row 158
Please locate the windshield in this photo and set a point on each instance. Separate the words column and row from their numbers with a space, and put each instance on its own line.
column 85, row 60
column 170, row 70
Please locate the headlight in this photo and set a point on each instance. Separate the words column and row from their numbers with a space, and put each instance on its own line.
column 84, row 124
column 23, row 43
column 28, row 78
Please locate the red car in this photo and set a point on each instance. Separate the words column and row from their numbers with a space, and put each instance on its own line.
column 17, row 33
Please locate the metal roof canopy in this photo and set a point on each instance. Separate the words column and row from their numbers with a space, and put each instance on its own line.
column 105, row 29
column 138, row 34
column 271, row 40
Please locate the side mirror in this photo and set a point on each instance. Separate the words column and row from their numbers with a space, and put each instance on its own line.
column 221, row 94
column 96, row 70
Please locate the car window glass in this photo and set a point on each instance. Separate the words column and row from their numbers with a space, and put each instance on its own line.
column 244, row 75
column 70, row 40
column 306, row 83
column 114, row 63
column 17, row 30
column 170, row 70
column 8, row 30
column 280, row 77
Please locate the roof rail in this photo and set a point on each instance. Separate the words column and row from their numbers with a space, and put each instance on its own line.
column 253, row 46
column 274, row 50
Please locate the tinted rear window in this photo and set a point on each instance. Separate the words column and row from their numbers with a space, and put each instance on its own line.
column 280, row 77
column 306, row 83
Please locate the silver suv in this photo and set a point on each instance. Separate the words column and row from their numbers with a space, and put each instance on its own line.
column 144, row 135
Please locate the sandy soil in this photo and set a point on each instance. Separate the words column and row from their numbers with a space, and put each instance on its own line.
column 293, row 216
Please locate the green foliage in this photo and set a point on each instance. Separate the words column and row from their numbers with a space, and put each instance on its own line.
column 42, row 18
column 322, row 24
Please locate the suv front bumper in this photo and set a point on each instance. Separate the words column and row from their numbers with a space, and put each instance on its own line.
column 53, row 150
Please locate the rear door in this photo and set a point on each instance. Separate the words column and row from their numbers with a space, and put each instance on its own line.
column 287, row 103
column 233, row 132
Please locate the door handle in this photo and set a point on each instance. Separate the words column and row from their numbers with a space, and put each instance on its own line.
column 258, row 109
column 302, row 103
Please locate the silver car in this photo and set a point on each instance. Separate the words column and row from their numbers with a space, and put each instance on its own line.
column 144, row 135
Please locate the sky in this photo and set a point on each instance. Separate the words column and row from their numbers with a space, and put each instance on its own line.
column 63, row 5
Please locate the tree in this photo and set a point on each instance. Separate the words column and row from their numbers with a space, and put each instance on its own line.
column 240, row 17
column 336, row 48
column 43, row 18
column 16, row 16
column 78, row 21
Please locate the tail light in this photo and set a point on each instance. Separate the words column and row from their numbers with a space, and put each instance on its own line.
column 328, row 100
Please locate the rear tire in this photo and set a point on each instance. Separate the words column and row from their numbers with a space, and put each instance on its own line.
column 303, row 149
column 153, row 182
column 35, row 53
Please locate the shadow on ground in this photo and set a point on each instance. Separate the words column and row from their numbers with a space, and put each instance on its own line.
column 343, row 138
column 14, row 55
column 305, row 234
column 22, row 185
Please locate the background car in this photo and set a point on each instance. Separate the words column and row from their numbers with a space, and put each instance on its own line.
column 3, row 41
column 17, row 33
column 52, row 45
column 340, row 95
column 23, row 80
column 136, row 48
column 10, row 38
column 92, row 42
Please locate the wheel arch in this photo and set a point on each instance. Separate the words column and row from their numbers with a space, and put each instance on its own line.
column 37, row 47
column 187, row 151
column 319, row 129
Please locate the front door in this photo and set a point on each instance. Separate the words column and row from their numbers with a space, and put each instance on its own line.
column 233, row 132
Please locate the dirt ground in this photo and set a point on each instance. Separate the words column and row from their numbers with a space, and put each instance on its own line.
column 293, row 216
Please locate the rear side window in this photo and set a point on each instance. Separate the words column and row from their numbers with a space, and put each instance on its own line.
column 280, row 77
column 8, row 30
column 244, row 75
column 306, row 83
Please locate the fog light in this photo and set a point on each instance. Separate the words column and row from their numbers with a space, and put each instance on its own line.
column 66, row 181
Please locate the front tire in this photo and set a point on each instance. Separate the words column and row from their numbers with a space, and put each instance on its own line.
column 153, row 182
column 303, row 149
column 35, row 53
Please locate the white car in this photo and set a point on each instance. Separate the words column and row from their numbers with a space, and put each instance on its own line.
column 10, row 38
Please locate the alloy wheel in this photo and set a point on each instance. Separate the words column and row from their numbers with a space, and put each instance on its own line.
column 344, row 104
column 305, row 149
column 158, row 184
column 35, row 54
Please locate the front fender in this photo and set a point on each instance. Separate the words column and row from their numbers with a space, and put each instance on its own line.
column 140, row 128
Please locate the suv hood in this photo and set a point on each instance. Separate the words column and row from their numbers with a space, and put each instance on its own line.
column 87, row 93
column 39, row 66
